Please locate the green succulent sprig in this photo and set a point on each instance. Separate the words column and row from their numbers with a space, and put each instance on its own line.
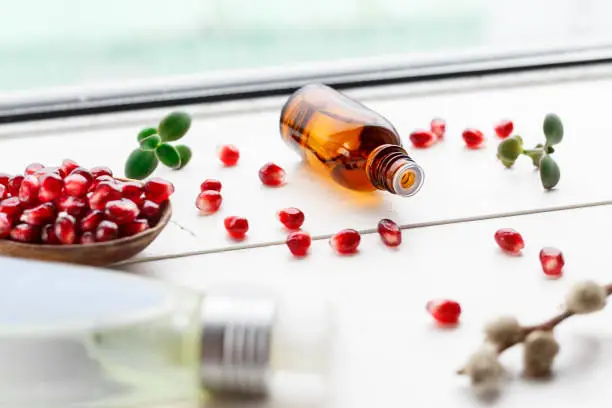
column 155, row 147
column 511, row 149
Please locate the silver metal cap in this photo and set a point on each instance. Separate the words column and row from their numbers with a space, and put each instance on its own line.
column 236, row 344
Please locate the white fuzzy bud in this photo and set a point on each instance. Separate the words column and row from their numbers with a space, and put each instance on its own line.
column 539, row 353
column 586, row 297
column 484, row 369
column 503, row 331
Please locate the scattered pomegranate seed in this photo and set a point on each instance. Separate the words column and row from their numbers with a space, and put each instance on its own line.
column 98, row 180
column 47, row 235
column 14, row 184
column 28, row 192
column 422, row 138
column 292, row 218
column 39, row 215
column 504, row 128
column 5, row 225
column 100, row 171
column 229, row 155
column 298, row 243
column 50, row 187
column 158, row 190
column 25, row 233
column 76, row 185
column 552, row 262
column 67, row 167
column 91, row 220
column 444, row 311
column 473, row 138
column 151, row 211
column 438, row 127
column 4, row 179
column 236, row 227
column 509, row 240
column 135, row 227
column 3, row 192
column 33, row 168
column 74, row 206
column 346, row 241
column 65, row 229
column 389, row 232
column 104, row 193
column 209, row 201
column 11, row 207
column 106, row 231
column 210, row 184
column 272, row 175
column 121, row 211
column 87, row 238
column 83, row 172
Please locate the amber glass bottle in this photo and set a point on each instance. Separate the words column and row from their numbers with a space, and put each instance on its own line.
column 359, row 148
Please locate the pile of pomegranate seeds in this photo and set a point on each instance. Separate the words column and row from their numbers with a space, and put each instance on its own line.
column 509, row 240
column 72, row 205
column 298, row 243
column 345, row 242
column 552, row 262
column 272, row 175
column 473, row 138
column 236, row 227
column 229, row 155
column 292, row 218
column 390, row 233
column 444, row 311
column 504, row 129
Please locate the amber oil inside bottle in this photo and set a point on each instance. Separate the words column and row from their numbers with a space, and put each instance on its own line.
column 359, row 148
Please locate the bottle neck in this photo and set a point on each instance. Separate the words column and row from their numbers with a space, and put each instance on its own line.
column 391, row 169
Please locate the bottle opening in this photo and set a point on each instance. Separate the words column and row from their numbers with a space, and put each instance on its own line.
column 408, row 179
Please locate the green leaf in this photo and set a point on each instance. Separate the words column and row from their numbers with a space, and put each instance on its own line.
column 184, row 153
column 140, row 164
column 146, row 133
column 174, row 126
column 150, row 142
column 168, row 155
column 550, row 174
column 510, row 149
column 553, row 129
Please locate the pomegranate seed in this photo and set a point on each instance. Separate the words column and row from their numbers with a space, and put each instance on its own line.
column 208, row 202
column 272, row 175
column 422, row 138
column 83, row 172
column 11, row 207
column 104, row 193
column 438, row 127
column 14, row 184
column 389, row 232
column 76, row 185
column 39, row 215
column 74, row 206
column 473, row 138
column 87, row 238
column 504, row 128
column 158, row 190
column 345, row 241
column 298, row 243
column 135, row 227
column 5, row 225
column 151, row 211
column 292, row 218
column 100, row 179
column 101, row 171
column 28, row 192
column 444, row 311
column 91, row 220
column 121, row 211
column 67, row 167
column 50, row 187
column 47, row 170
column 552, row 262
column 210, row 184
column 65, row 229
column 33, row 168
column 236, row 227
column 47, row 235
column 25, row 233
column 4, row 179
column 133, row 190
column 509, row 240
column 3, row 192
column 106, row 231
column 229, row 155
